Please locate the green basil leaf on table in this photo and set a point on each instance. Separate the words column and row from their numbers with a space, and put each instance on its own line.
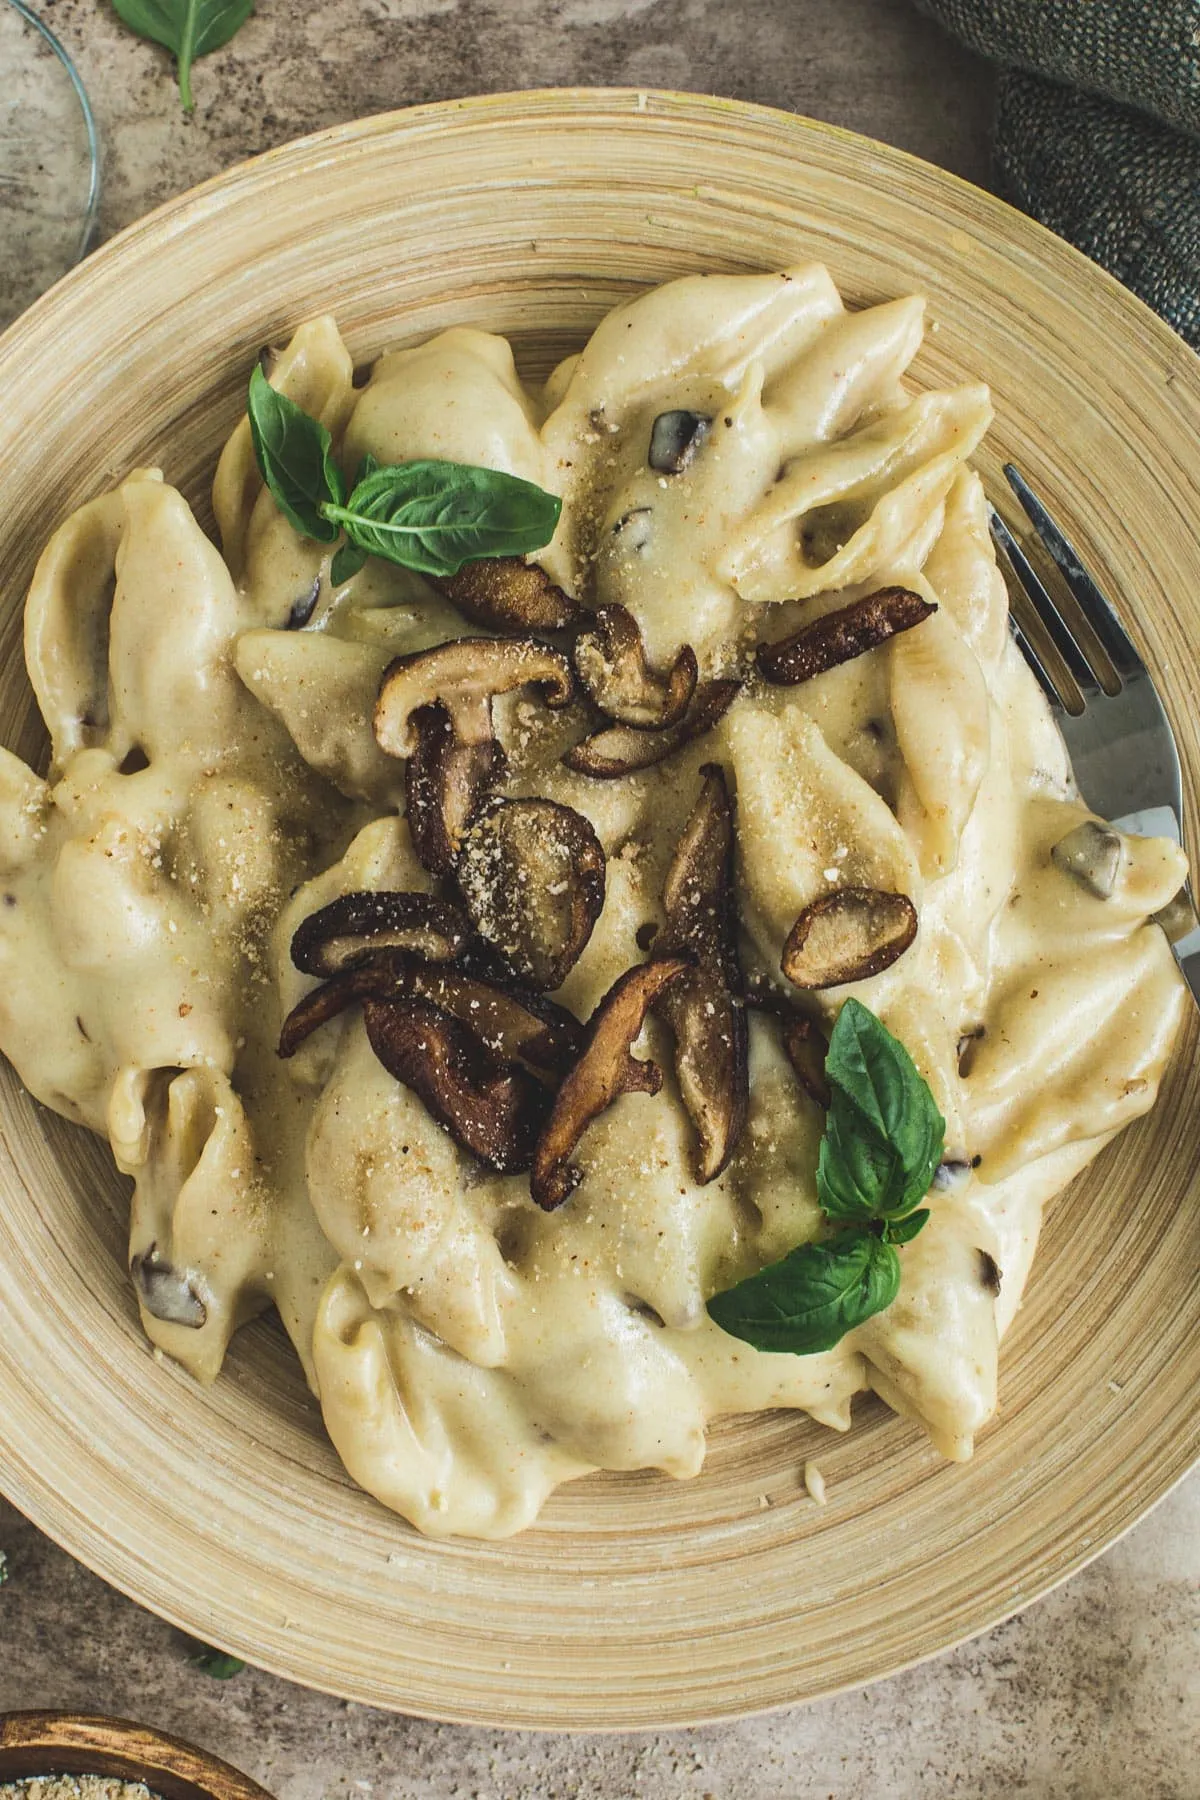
column 188, row 28
column 813, row 1296
column 435, row 516
column 294, row 453
column 217, row 1663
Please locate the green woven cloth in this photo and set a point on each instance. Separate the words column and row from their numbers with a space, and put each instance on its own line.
column 1098, row 131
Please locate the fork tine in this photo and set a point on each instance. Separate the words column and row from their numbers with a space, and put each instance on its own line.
column 1035, row 663
column 1098, row 612
column 1047, row 611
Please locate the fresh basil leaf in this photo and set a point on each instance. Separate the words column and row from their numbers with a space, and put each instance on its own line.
column 854, row 1169
column 294, row 453
column 366, row 467
column 188, row 28
column 347, row 561
column 435, row 516
column 217, row 1663
column 810, row 1299
column 884, row 1136
column 902, row 1231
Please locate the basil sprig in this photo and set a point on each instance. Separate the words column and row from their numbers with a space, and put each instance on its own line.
column 430, row 516
column 217, row 1663
column 883, row 1141
column 188, row 28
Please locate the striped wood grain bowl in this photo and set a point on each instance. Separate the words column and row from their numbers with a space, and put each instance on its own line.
column 638, row 1600
column 64, row 1743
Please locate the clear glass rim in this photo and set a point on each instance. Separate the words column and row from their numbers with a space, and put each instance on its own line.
column 89, row 119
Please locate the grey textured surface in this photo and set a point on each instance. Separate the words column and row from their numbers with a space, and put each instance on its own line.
column 1090, row 1695
column 873, row 65
column 1084, row 136
column 1093, row 1694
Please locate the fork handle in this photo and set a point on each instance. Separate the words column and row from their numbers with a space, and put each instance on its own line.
column 1187, row 955
column 1182, row 927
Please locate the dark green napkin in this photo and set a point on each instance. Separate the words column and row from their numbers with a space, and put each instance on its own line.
column 1098, row 131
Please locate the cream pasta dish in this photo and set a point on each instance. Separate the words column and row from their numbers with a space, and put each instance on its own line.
column 578, row 903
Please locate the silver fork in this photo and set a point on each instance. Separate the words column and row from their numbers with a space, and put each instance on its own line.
column 1121, row 744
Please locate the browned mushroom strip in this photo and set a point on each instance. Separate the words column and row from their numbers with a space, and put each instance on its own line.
column 531, row 873
column 1092, row 855
column 381, row 978
column 516, row 1026
column 167, row 1293
column 505, row 594
column 675, row 438
column 445, row 783
column 494, row 1110
column 706, row 1011
column 841, row 635
column 606, row 1070
column 803, row 1040
column 513, row 1023
column 354, row 926
column 623, row 750
column 464, row 676
column 847, row 936
column 610, row 661
column 807, row 1049
column 303, row 607
column 989, row 1272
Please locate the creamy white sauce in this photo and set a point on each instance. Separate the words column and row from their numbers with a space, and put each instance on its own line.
column 469, row 1351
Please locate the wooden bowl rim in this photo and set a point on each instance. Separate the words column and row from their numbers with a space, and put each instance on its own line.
column 1173, row 1458
column 39, row 1744
column 586, row 98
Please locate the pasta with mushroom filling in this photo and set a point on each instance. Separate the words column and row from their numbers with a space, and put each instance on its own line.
column 584, row 856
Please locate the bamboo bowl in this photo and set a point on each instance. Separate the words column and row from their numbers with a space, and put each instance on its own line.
column 62, row 1743
column 637, row 1601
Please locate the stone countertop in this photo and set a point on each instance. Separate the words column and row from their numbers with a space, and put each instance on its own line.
column 1091, row 1694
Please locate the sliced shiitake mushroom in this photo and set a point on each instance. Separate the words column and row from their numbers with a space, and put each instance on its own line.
column 989, row 1272
column 624, row 750
column 848, row 935
column 445, row 783
column 706, row 1010
column 610, row 661
column 506, row 594
column 380, row 978
column 807, row 1048
column 606, row 1070
column 167, row 1293
column 635, row 529
column 304, row 606
column 675, row 438
column 355, row 926
column 464, row 676
column 841, row 635
column 531, row 874
column 512, row 1023
column 804, row 1041
column 493, row 1109
column 1091, row 854
column 698, row 896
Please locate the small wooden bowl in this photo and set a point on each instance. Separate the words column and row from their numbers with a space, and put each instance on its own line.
column 61, row 1743
column 637, row 1601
